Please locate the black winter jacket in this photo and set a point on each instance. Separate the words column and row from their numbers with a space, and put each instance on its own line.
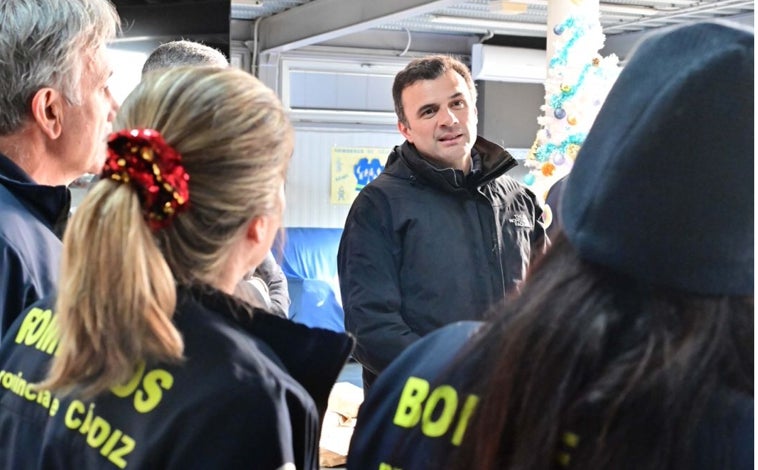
column 423, row 247
column 32, row 218
column 250, row 394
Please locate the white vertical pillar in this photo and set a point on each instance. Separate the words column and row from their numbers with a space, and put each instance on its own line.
column 560, row 10
column 578, row 79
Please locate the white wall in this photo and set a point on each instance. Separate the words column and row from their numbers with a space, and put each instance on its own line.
column 309, row 175
column 127, row 59
column 508, row 112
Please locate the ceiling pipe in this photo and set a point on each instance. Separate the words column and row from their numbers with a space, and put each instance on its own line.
column 681, row 12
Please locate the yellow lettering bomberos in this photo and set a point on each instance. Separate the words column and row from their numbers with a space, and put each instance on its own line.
column 154, row 382
column 112, row 443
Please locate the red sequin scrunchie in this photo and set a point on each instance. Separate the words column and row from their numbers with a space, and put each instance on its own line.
column 141, row 158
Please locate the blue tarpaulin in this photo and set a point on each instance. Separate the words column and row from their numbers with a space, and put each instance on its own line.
column 309, row 260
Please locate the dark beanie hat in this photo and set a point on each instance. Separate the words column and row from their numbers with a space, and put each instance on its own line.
column 662, row 189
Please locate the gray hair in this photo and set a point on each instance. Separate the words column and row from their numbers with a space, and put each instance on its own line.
column 176, row 53
column 41, row 45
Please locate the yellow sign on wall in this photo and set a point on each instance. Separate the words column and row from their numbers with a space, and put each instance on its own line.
column 353, row 168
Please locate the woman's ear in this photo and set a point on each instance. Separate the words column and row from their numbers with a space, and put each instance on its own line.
column 257, row 241
column 47, row 111
column 257, row 229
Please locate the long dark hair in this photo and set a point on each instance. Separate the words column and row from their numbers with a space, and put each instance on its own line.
column 593, row 370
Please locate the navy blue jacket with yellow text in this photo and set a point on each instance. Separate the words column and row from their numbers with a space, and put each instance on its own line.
column 423, row 247
column 250, row 393
column 32, row 218
column 417, row 414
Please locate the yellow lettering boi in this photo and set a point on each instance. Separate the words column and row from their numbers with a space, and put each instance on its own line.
column 409, row 407
column 436, row 410
column 386, row 466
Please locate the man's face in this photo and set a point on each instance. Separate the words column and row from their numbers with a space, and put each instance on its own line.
column 441, row 119
column 86, row 125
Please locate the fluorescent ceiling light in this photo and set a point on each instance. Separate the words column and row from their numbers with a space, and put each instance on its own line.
column 506, row 7
column 604, row 6
column 627, row 9
column 132, row 39
column 491, row 24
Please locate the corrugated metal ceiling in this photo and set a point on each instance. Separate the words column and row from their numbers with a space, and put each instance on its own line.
column 526, row 17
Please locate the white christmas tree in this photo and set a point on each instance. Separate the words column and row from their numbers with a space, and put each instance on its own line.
column 578, row 80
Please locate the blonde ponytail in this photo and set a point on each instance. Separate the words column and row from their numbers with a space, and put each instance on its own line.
column 117, row 295
column 118, row 285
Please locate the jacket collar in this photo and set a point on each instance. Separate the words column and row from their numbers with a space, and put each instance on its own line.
column 49, row 204
column 314, row 357
column 494, row 161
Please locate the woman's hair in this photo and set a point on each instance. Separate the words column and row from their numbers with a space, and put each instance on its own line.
column 42, row 44
column 118, row 279
column 591, row 369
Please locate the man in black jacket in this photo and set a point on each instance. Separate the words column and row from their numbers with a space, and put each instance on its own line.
column 442, row 233
column 55, row 114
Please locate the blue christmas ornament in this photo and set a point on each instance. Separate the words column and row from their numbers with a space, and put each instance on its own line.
column 559, row 113
column 559, row 29
column 529, row 179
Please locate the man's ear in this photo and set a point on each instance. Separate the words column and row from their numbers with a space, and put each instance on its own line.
column 47, row 111
column 405, row 130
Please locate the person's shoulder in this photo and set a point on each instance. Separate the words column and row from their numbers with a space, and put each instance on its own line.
column 507, row 192
column 448, row 338
column 390, row 429
column 29, row 217
column 258, row 350
column 430, row 357
column 215, row 340
column 222, row 360
column 377, row 199
column 510, row 185
column 385, row 183
column 13, row 212
column 30, row 339
column 553, row 196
